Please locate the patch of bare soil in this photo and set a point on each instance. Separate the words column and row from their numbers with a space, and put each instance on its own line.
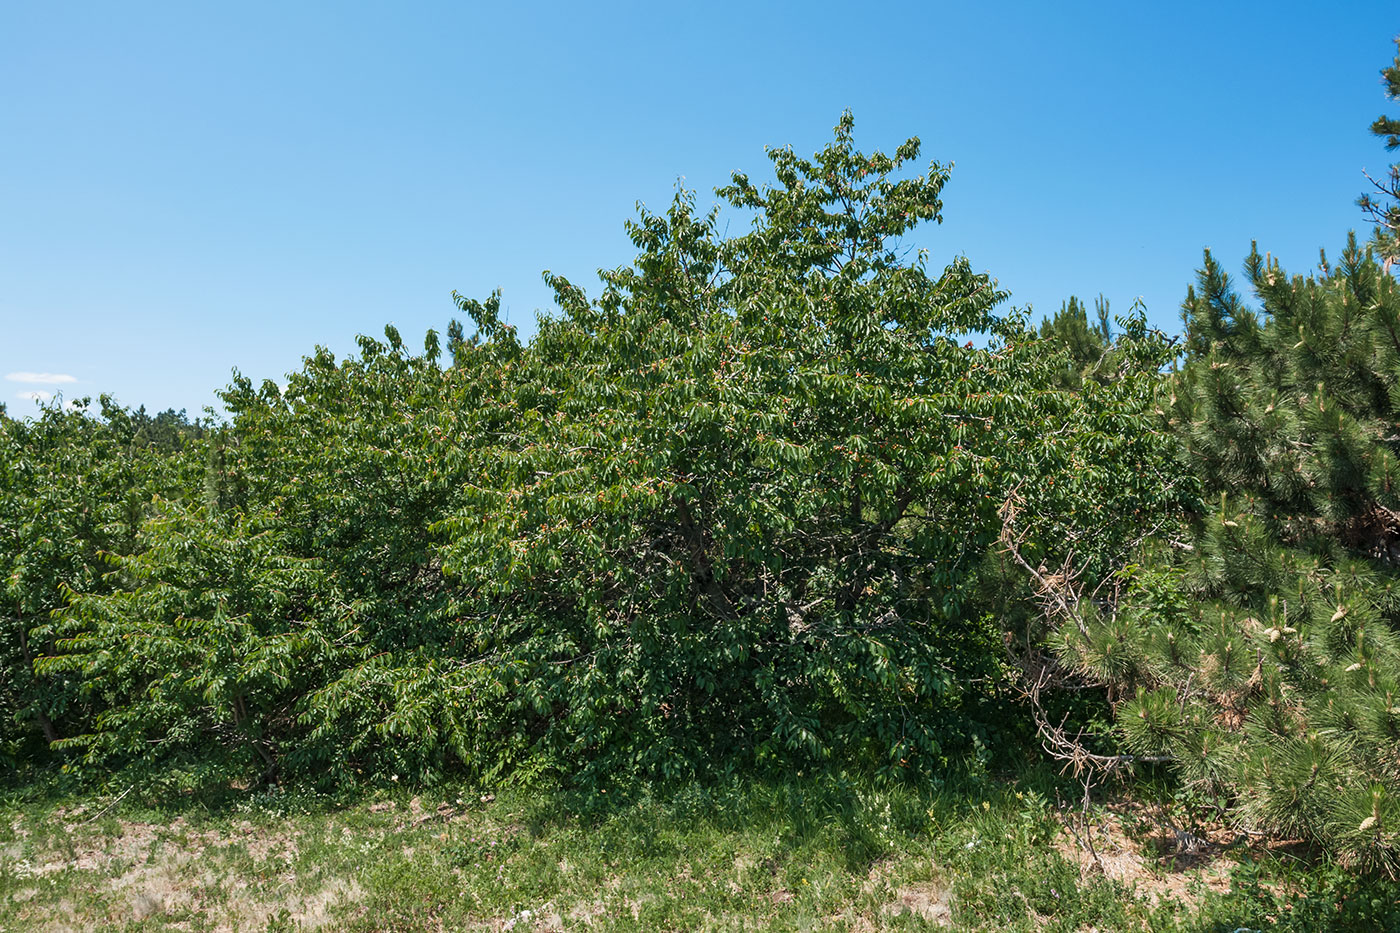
column 146, row 870
column 931, row 902
column 1165, row 864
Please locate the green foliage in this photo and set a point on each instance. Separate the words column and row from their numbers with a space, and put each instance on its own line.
column 1086, row 343
column 782, row 472
column 223, row 649
column 74, row 490
column 1383, row 205
column 1278, row 690
column 1297, row 407
column 294, row 620
column 742, row 508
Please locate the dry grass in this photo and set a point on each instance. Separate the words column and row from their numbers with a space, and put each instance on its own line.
column 121, row 872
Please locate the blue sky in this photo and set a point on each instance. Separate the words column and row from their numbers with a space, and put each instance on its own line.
column 187, row 188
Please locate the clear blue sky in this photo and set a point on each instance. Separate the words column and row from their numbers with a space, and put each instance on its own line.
column 188, row 187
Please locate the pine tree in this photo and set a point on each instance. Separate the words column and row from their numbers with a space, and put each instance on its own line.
column 1383, row 206
column 1086, row 343
column 1266, row 663
column 1262, row 656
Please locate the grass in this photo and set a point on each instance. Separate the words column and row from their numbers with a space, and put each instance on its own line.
column 805, row 854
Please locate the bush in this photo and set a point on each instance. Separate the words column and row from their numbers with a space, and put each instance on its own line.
column 741, row 508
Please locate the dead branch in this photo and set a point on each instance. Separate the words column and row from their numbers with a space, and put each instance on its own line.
column 1057, row 588
column 1062, row 596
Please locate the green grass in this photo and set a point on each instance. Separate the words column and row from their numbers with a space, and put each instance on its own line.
column 806, row 854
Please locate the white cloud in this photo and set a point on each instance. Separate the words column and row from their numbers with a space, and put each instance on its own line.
column 35, row 395
column 41, row 378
